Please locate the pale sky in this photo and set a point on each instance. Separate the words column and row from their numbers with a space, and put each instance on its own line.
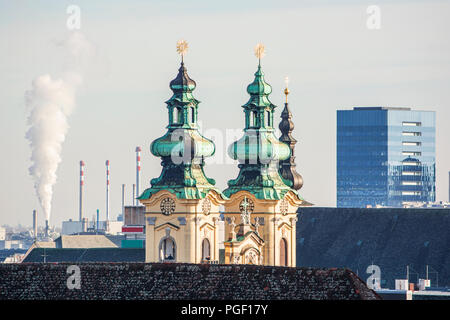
column 332, row 59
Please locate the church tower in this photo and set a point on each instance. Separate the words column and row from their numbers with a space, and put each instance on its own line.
column 260, row 215
column 182, row 204
column 287, row 166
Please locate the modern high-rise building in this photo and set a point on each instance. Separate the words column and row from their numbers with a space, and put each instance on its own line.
column 385, row 156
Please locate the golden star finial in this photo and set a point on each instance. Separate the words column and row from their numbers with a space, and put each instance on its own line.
column 182, row 47
column 260, row 51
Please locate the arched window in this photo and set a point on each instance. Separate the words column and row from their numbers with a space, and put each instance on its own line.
column 255, row 118
column 283, row 252
column 179, row 115
column 173, row 117
column 167, row 249
column 268, row 119
column 206, row 250
column 192, row 115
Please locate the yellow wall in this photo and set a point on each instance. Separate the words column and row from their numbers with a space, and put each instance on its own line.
column 274, row 224
column 188, row 237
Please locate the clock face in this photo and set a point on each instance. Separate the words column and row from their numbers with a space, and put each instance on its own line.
column 246, row 206
column 167, row 206
column 206, row 206
column 284, row 207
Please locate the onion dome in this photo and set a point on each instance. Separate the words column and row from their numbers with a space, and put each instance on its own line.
column 182, row 83
column 287, row 166
column 259, row 151
column 182, row 149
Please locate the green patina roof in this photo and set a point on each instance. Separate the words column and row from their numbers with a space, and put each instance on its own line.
column 259, row 151
column 259, row 91
column 182, row 149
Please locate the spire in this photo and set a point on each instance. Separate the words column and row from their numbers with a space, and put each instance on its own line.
column 287, row 166
column 259, row 151
column 182, row 149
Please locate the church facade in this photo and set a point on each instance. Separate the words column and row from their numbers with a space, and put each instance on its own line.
column 182, row 205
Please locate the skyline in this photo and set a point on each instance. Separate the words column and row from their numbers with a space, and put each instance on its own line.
column 337, row 64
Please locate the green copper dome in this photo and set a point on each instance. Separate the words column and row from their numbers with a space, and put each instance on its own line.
column 259, row 151
column 182, row 149
column 259, row 90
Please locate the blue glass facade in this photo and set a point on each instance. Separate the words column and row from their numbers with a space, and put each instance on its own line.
column 385, row 156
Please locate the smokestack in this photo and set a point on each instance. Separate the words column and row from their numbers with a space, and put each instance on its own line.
column 107, row 191
column 46, row 229
column 98, row 220
column 134, row 194
column 123, row 201
column 81, row 189
column 85, row 224
column 35, row 225
column 138, row 170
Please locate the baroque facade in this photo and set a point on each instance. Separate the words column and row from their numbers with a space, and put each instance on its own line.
column 182, row 204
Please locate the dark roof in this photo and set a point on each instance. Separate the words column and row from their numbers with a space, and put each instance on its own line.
column 86, row 255
column 391, row 238
column 170, row 281
column 382, row 108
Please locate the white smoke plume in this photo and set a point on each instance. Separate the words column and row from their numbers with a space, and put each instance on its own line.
column 50, row 102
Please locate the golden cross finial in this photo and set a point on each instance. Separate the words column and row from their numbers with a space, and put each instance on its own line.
column 260, row 51
column 286, row 90
column 182, row 47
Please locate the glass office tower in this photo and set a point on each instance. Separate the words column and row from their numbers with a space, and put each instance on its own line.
column 385, row 156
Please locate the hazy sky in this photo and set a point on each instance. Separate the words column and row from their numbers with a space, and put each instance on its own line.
column 332, row 59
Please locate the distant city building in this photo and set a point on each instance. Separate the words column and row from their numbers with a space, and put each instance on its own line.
column 440, row 204
column 74, row 227
column 12, row 244
column 385, row 156
column 2, row 234
column 14, row 258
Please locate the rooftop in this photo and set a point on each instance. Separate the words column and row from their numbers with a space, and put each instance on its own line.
column 174, row 281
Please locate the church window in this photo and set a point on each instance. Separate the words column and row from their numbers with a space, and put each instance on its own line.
column 283, row 252
column 254, row 118
column 192, row 115
column 206, row 250
column 178, row 115
column 167, row 249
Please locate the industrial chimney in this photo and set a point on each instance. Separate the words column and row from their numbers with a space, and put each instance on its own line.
column 138, row 170
column 46, row 229
column 35, row 225
column 85, row 224
column 81, row 189
column 123, row 200
column 134, row 194
column 107, row 193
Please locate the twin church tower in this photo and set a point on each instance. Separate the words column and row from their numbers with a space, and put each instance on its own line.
column 260, row 205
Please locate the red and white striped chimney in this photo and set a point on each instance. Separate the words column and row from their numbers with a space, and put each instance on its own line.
column 81, row 188
column 138, row 172
column 107, row 191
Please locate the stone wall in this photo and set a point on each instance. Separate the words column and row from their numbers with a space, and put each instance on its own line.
column 174, row 281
